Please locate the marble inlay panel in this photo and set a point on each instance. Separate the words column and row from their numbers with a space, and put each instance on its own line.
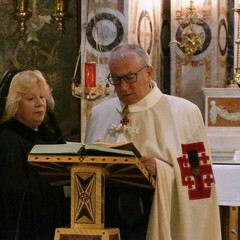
column 226, row 112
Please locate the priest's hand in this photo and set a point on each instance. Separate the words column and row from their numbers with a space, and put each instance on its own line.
column 150, row 163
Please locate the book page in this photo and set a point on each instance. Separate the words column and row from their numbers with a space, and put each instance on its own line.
column 57, row 149
column 129, row 146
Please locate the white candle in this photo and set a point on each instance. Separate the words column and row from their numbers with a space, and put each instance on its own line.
column 179, row 5
column 205, row 4
column 34, row 4
column 21, row 5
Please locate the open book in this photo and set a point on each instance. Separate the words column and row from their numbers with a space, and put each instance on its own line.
column 80, row 149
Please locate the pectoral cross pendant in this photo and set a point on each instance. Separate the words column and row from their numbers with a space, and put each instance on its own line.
column 124, row 120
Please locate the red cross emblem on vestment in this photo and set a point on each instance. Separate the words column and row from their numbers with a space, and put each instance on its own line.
column 199, row 185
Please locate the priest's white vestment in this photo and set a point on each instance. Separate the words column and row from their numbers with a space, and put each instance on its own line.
column 172, row 130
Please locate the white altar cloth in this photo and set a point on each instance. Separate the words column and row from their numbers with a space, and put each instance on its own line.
column 227, row 177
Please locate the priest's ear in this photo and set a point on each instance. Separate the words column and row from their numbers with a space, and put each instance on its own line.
column 150, row 73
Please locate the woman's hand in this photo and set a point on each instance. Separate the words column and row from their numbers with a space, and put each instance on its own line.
column 150, row 164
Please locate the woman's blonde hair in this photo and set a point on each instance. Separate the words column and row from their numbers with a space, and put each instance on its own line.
column 22, row 83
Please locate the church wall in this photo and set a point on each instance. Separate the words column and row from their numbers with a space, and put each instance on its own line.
column 150, row 23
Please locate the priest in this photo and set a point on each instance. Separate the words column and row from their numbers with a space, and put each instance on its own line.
column 170, row 134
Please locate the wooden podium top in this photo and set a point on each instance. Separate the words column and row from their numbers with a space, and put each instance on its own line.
column 120, row 171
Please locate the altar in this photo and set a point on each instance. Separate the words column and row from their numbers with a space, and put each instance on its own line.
column 222, row 122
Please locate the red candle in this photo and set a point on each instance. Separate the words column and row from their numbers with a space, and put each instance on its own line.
column 90, row 74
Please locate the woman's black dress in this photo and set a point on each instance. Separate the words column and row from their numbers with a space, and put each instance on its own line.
column 30, row 209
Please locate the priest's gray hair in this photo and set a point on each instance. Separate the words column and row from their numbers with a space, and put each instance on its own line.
column 135, row 48
column 21, row 84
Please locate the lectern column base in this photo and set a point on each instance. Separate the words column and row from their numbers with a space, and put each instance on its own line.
column 87, row 234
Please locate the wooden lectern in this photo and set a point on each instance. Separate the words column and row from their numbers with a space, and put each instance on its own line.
column 88, row 175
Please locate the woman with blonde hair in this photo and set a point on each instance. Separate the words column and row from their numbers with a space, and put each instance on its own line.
column 29, row 207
